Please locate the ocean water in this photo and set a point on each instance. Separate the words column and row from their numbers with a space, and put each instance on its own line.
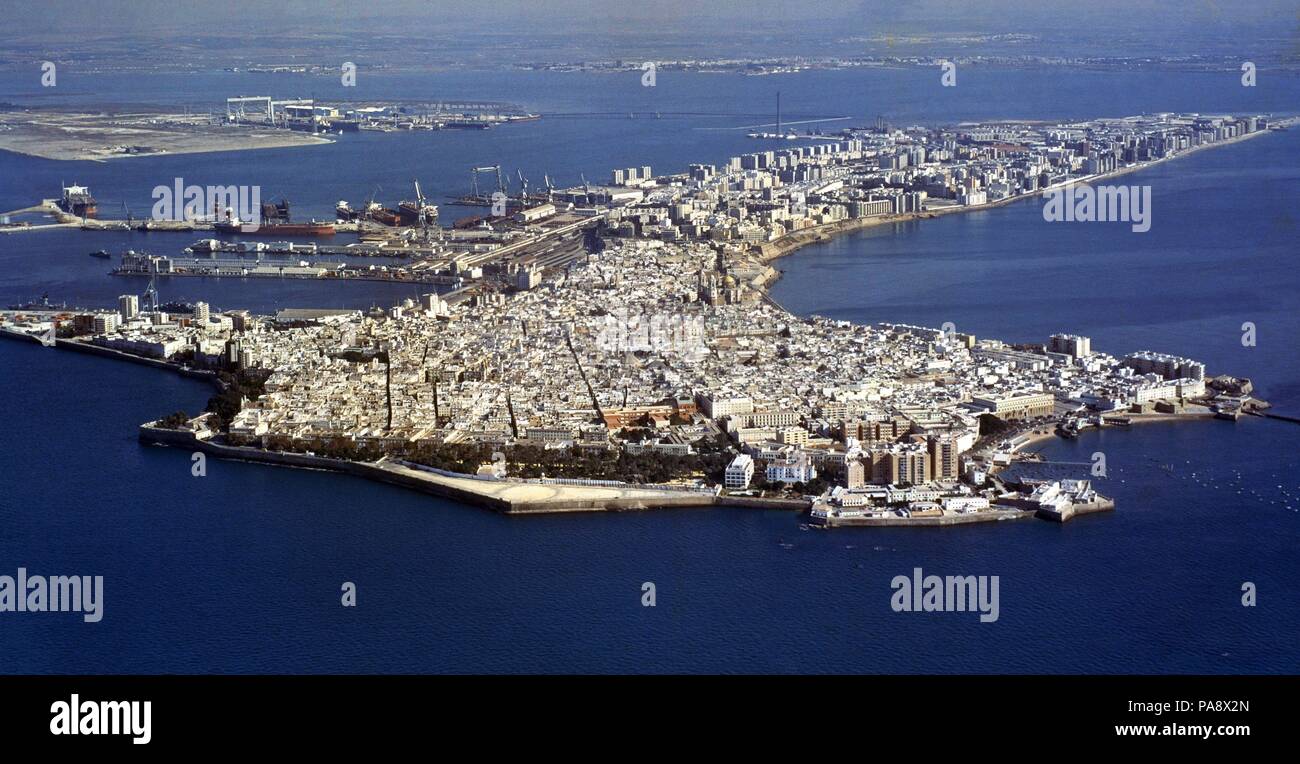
column 701, row 118
column 240, row 571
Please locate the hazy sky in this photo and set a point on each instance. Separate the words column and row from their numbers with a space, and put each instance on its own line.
column 59, row 17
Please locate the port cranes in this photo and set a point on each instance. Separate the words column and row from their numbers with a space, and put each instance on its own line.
column 473, row 176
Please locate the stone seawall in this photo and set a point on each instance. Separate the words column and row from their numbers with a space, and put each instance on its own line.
column 100, row 350
column 483, row 493
column 187, row 440
column 1075, row 510
column 755, row 502
column 925, row 522
column 609, row 505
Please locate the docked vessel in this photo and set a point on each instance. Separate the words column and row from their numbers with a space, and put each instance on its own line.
column 76, row 200
column 275, row 212
column 345, row 212
column 466, row 223
column 413, row 213
column 235, row 226
column 381, row 214
column 417, row 211
column 274, row 222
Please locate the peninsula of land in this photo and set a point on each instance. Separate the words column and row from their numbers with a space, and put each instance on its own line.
column 652, row 370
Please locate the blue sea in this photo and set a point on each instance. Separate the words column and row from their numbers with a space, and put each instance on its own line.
column 240, row 571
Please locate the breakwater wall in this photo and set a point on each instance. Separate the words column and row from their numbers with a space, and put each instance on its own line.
column 1075, row 510
column 924, row 522
column 494, row 495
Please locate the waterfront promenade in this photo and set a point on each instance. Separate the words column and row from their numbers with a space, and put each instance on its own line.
column 508, row 496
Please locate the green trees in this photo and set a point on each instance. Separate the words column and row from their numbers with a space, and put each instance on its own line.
column 174, row 420
column 245, row 383
column 522, row 461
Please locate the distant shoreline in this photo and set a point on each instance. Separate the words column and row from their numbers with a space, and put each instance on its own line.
column 83, row 137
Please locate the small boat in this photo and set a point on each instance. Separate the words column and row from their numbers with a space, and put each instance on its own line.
column 101, row 254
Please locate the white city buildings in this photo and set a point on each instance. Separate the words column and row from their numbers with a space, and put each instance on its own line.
column 739, row 472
